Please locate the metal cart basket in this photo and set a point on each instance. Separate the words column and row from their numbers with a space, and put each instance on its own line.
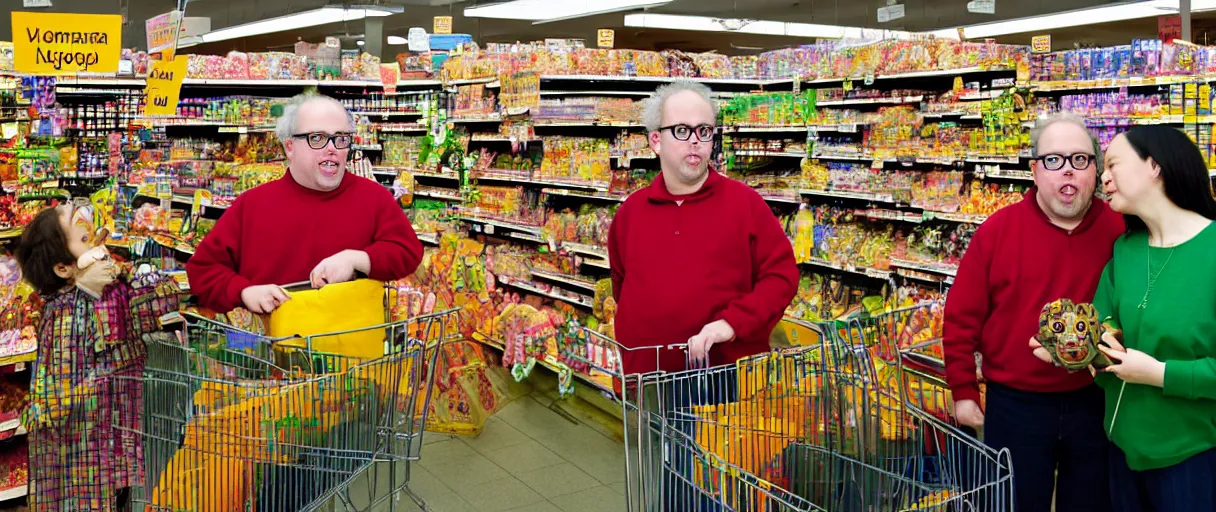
column 828, row 426
column 235, row 421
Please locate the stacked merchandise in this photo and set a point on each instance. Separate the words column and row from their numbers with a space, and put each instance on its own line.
column 879, row 184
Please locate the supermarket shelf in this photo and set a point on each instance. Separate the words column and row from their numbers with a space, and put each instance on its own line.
column 572, row 193
column 13, row 425
column 13, row 493
column 398, row 129
column 490, row 175
column 141, row 82
column 581, row 300
column 942, row 270
column 576, row 124
column 439, row 195
column 766, row 129
column 472, row 120
column 436, row 175
column 532, row 230
column 367, row 147
column 982, row 95
column 586, row 250
column 842, row 128
column 429, row 238
column 490, row 82
column 871, row 101
column 12, row 233
column 562, row 278
column 597, row 93
column 957, row 217
column 537, row 239
column 878, row 198
column 27, row 357
column 748, row 152
column 915, row 74
column 782, row 199
column 552, row 364
column 389, row 113
column 854, row 157
column 1010, row 175
column 863, row 271
column 597, row 263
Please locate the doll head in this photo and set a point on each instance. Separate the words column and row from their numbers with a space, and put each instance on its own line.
column 49, row 248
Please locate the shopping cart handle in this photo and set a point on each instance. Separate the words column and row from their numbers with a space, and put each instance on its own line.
column 678, row 345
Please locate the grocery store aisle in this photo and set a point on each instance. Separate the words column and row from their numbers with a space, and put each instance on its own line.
column 540, row 453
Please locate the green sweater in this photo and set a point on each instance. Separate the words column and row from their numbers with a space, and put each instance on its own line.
column 1161, row 427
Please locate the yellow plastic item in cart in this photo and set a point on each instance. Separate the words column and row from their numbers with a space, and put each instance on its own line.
column 334, row 308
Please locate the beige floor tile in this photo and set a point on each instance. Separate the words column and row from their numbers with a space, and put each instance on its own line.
column 595, row 499
column 558, row 480
column 523, row 458
column 597, row 455
column 496, row 435
column 537, row 507
column 498, row 495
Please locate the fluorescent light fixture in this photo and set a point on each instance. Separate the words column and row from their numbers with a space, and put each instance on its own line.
column 295, row 21
column 360, row 42
column 545, row 10
column 397, row 40
column 1080, row 17
column 771, row 28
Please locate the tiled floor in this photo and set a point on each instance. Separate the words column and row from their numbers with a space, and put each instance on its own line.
column 536, row 454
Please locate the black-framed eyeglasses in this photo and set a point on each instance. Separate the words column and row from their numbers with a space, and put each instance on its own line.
column 1055, row 161
column 704, row 132
column 318, row 140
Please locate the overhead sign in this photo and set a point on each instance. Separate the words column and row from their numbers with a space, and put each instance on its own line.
column 1169, row 28
column 390, row 74
column 165, row 85
column 443, row 25
column 1041, row 44
column 162, row 31
column 982, row 6
column 36, row 3
column 419, row 41
column 890, row 13
column 57, row 44
column 606, row 38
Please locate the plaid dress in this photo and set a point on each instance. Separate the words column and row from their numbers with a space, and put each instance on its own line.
column 87, row 394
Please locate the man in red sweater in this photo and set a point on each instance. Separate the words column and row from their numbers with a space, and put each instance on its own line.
column 696, row 257
column 314, row 224
column 1052, row 245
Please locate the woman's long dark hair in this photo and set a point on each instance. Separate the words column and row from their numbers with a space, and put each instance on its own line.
column 1183, row 170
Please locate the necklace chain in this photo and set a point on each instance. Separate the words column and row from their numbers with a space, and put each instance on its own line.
column 1152, row 279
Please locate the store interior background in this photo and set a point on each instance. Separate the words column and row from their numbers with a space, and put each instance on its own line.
column 542, row 451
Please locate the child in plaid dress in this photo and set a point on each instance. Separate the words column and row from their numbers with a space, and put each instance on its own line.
column 86, row 396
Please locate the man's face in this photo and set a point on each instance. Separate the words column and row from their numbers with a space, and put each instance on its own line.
column 684, row 160
column 318, row 169
column 1067, row 191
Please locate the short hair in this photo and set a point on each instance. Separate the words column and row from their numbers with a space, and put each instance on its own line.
column 43, row 245
column 286, row 127
column 1042, row 124
column 652, row 107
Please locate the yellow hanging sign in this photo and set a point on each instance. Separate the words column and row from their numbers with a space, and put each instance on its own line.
column 165, row 86
column 47, row 43
column 607, row 38
column 443, row 25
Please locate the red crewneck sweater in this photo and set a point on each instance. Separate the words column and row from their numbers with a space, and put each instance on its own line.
column 681, row 262
column 278, row 232
column 1018, row 261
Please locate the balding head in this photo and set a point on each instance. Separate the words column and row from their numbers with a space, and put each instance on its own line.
column 316, row 132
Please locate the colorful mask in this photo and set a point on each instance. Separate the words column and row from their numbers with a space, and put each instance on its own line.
column 1070, row 333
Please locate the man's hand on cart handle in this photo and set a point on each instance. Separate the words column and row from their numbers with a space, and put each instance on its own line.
column 710, row 335
column 264, row 299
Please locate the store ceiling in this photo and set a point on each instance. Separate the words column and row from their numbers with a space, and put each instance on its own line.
column 920, row 15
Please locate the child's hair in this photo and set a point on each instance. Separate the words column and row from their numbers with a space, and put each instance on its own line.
column 43, row 245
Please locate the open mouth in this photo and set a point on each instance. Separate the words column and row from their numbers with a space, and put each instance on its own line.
column 330, row 168
column 693, row 160
column 1069, row 191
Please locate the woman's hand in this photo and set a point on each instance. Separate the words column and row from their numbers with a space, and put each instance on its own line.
column 1131, row 365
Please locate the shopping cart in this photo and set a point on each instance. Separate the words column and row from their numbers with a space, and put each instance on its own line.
column 806, row 428
column 235, row 421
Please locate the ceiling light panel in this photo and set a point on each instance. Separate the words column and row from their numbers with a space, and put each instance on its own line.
column 540, row 10
column 295, row 21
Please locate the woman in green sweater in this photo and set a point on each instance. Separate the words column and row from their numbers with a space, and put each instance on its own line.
column 1160, row 287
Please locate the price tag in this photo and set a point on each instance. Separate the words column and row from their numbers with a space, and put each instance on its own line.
column 442, row 25
column 489, row 229
column 848, row 128
column 848, row 85
column 870, row 79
